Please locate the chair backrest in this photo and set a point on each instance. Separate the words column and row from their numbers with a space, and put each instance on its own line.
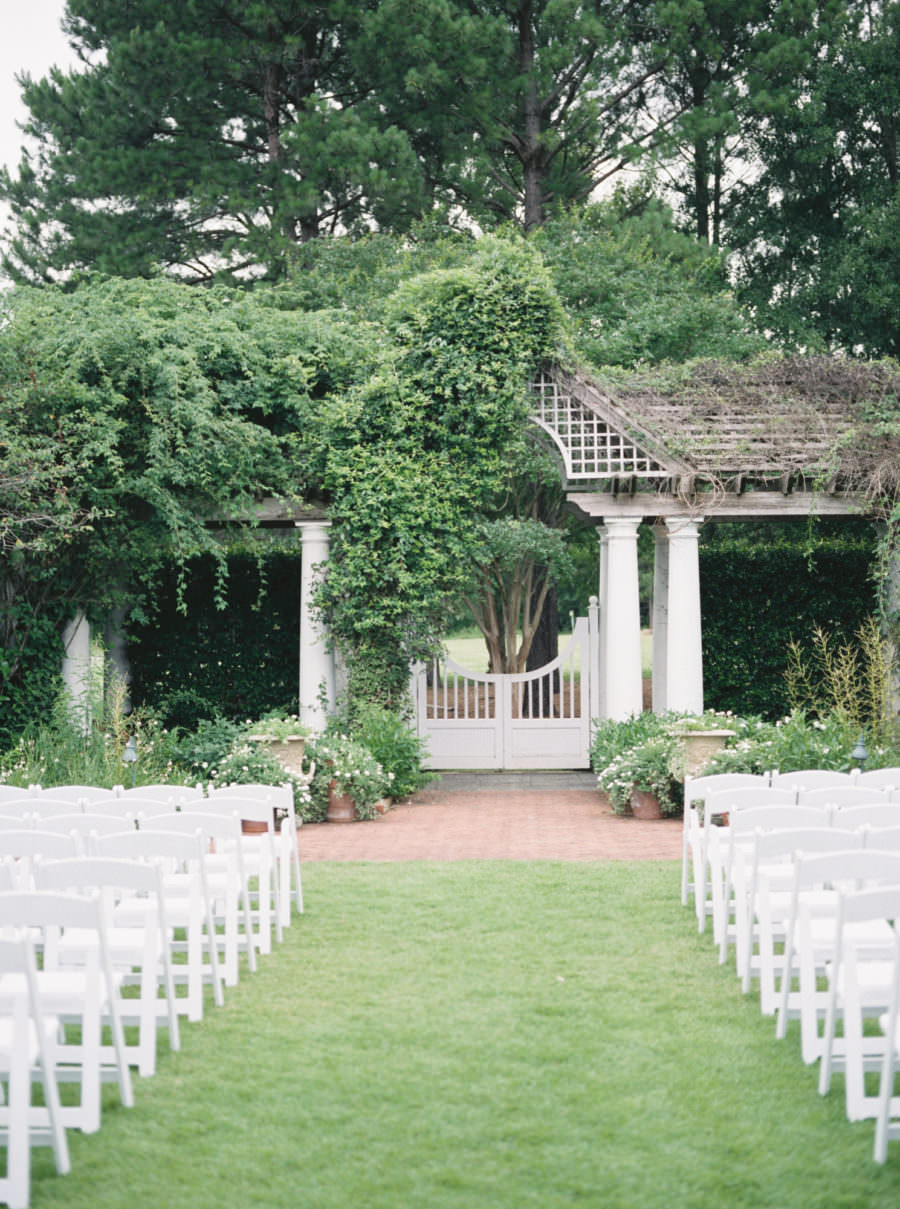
column 12, row 793
column 278, row 794
column 727, row 800
column 881, row 778
column 87, row 825
column 17, row 808
column 75, row 793
column 841, row 795
column 882, row 839
column 20, row 849
column 781, row 817
column 169, row 794
column 696, row 789
column 878, row 814
column 812, row 778
column 845, row 867
column 46, row 808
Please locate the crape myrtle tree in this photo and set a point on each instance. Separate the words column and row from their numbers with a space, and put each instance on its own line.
column 131, row 414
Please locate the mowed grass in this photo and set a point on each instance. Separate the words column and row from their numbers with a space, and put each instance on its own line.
column 481, row 1034
column 469, row 651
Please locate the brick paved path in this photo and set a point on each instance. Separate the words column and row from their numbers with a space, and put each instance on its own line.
column 513, row 818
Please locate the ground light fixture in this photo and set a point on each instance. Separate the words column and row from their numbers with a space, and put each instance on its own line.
column 859, row 755
column 129, row 756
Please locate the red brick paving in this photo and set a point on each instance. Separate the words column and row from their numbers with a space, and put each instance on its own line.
column 562, row 825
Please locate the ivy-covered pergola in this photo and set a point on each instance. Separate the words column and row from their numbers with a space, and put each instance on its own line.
column 793, row 437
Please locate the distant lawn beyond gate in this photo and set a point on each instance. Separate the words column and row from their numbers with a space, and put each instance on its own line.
column 491, row 1034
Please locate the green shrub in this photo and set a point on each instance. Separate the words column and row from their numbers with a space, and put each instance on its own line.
column 396, row 747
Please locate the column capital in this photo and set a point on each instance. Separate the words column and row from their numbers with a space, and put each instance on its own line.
column 621, row 526
column 683, row 526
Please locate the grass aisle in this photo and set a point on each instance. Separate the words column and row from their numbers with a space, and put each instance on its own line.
column 482, row 1036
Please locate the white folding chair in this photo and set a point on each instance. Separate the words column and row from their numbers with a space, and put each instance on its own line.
column 281, row 798
column 80, row 997
column 882, row 839
column 738, row 850
column 227, row 881
column 695, row 793
column 764, row 903
column 859, row 987
column 259, row 856
column 27, row 1056
column 139, row 937
column 887, row 1120
column 722, row 840
column 188, row 904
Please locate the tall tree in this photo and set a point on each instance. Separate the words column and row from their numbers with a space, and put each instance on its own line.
column 200, row 137
column 816, row 232
column 534, row 103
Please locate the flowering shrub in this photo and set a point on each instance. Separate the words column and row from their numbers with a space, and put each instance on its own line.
column 647, row 767
column 353, row 769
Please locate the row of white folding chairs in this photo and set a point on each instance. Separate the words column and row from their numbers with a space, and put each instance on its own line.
column 728, row 843
column 32, row 895
column 706, row 801
column 829, row 897
column 259, row 803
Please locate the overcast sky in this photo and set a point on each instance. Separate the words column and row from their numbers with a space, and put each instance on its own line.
column 30, row 40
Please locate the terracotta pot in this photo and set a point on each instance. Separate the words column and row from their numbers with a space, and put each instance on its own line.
column 341, row 807
column 383, row 806
column 645, row 805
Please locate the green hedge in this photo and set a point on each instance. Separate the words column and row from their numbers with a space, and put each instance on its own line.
column 238, row 662
column 758, row 593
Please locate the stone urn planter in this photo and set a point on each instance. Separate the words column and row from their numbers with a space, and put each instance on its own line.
column 645, row 805
column 288, row 751
column 699, row 746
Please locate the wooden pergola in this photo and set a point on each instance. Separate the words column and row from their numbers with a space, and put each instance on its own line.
column 792, row 437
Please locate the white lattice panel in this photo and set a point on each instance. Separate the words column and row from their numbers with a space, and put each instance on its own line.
column 591, row 447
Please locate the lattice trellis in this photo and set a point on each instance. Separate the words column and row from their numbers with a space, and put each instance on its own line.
column 591, row 447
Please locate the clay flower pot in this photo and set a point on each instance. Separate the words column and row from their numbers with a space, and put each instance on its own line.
column 645, row 805
column 341, row 807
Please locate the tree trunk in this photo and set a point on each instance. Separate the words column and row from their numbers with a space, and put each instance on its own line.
column 531, row 150
column 544, row 649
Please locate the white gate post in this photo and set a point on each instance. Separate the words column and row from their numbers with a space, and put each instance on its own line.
column 660, row 620
column 623, row 692
column 592, row 660
column 316, row 662
column 684, row 646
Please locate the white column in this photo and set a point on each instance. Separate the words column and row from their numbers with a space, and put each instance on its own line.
column 76, row 669
column 623, row 688
column 684, row 646
column 660, row 619
column 603, row 580
column 316, row 661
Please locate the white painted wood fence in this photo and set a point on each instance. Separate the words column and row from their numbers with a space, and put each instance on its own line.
column 539, row 719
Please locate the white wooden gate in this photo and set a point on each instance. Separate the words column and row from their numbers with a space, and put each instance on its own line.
column 539, row 719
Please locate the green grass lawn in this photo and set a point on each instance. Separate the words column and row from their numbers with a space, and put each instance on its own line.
column 483, row 1035
column 468, row 650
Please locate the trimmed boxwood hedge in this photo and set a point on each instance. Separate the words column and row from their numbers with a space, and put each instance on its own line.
column 760, row 586
column 763, row 586
column 237, row 662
